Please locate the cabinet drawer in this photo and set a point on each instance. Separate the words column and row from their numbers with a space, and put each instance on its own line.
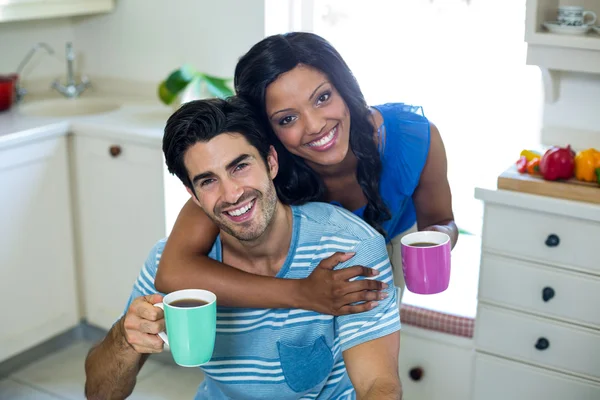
column 434, row 370
column 540, row 289
column 548, row 238
column 537, row 340
column 498, row 379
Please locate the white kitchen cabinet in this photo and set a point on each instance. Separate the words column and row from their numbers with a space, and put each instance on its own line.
column 434, row 365
column 538, row 316
column 37, row 267
column 14, row 10
column 121, row 215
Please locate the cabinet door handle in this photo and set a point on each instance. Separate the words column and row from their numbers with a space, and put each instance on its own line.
column 416, row 373
column 542, row 344
column 552, row 240
column 547, row 293
column 115, row 150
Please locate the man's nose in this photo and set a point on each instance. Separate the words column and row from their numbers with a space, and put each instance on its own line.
column 232, row 191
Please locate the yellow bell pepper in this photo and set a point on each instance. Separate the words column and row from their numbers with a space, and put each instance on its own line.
column 530, row 154
column 586, row 163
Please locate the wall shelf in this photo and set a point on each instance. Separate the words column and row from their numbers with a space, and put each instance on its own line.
column 555, row 52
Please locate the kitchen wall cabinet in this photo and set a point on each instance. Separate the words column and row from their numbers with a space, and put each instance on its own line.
column 121, row 215
column 559, row 52
column 37, row 266
column 538, row 324
column 15, row 10
column 434, row 365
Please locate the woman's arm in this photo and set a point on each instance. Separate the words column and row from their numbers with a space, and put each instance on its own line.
column 184, row 264
column 432, row 197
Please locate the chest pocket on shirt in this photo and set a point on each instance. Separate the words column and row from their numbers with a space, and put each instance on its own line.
column 304, row 367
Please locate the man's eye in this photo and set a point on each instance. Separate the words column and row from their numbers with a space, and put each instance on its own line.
column 286, row 120
column 241, row 166
column 206, row 182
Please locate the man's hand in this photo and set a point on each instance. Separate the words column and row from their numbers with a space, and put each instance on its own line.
column 330, row 292
column 142, row 323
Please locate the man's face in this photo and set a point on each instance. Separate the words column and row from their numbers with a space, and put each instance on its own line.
column 233, row 185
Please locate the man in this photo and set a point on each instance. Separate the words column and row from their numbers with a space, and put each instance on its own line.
column 218, row 151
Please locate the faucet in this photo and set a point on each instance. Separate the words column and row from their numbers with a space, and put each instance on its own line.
column 19, row 90
column 71, row 89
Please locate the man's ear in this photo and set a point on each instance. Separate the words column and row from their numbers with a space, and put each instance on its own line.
column 273, row 162
column 193, row 194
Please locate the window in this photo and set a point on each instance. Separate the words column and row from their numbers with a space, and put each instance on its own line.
column 463, row 61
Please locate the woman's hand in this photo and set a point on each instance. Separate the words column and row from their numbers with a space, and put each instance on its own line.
column 330, row 292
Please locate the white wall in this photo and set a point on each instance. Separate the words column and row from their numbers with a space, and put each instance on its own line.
column 142, row 40
column 575, row 117
column 16, row 38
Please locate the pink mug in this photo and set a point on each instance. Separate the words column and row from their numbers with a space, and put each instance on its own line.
column 426, row 261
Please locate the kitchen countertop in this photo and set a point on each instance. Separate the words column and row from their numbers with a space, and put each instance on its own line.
column 138, row 119
column 142, row 121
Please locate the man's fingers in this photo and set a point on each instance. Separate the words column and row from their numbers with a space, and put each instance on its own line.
column 147, row 311
column 153, row 298
column 146, row 341
column 352, row 272
column 334, row 259
column 152, row 327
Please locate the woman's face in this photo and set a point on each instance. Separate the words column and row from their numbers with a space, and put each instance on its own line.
column 309, row 116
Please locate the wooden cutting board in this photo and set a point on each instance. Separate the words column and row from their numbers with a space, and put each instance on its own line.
column 571, row 189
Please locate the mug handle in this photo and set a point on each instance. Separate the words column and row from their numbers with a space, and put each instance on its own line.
column 163, row 334
column 592, row 14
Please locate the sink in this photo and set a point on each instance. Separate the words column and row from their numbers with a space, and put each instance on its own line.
column 68, row 107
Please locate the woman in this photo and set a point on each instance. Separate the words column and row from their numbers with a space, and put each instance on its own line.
column 386, row 163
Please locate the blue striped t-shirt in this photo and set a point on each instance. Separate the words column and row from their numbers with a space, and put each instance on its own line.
column 292, row 353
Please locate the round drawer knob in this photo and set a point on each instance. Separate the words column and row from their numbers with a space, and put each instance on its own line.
column 542, row 344
column 416, row 373
column 547, row 293
column 552, row 240
column 115, row 150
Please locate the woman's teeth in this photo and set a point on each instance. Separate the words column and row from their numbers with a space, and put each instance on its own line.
column 324, row 140
column 241, row 210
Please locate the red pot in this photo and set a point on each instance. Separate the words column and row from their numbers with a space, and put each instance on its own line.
column 7, row 90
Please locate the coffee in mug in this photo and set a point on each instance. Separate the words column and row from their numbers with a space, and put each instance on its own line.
column 426, row 261
column 191, row 325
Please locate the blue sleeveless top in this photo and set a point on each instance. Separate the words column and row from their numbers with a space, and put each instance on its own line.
column 404, row 147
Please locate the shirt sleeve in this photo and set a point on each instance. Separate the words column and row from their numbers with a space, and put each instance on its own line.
column 382, row 320
column 144, row 284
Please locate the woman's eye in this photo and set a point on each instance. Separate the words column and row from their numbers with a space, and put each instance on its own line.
column 324, row 97
column 286, row 120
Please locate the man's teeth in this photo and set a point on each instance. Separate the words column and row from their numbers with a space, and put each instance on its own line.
column 324, row 140
column 242, row 210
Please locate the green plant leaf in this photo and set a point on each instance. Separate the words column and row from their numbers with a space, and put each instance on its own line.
column 179, row 79
column 217, row 86
column 175, row 83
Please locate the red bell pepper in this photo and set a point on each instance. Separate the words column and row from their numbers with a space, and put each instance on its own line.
column 558, row 163
column 522, row 164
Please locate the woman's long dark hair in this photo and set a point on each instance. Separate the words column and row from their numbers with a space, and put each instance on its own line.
column 297, row 182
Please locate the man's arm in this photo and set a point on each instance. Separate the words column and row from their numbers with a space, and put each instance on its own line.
column 111, row 367
column 373, row 368
column 370, row 341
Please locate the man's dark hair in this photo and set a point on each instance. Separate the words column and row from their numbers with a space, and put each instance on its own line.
column 202, row 120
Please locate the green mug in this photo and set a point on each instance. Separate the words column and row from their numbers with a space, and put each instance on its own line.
column 191, row 322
